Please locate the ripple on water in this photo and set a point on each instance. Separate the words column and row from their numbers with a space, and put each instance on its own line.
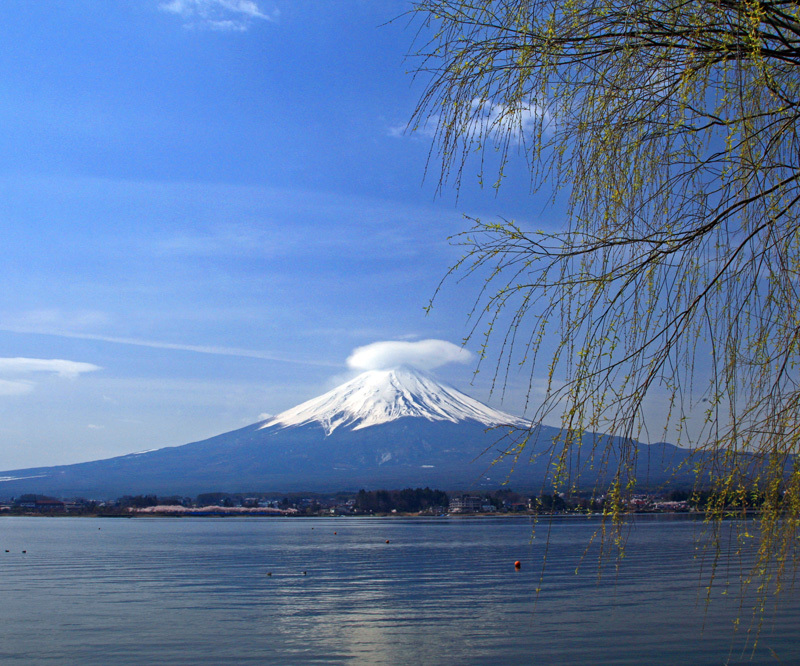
column 196, row 591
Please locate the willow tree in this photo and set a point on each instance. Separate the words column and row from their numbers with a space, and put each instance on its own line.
column 670, row 129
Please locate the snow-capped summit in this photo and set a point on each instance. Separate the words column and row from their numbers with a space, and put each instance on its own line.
column 379, row 396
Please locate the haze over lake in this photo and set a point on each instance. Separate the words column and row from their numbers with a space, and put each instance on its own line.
column 441, row 591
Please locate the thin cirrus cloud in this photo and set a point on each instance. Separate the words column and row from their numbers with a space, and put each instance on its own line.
column 423, row 354
column 155, row 344
column 16, row 374
column 223, row 15
column 55, row 318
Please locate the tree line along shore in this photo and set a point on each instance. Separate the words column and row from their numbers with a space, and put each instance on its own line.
column 408, row 501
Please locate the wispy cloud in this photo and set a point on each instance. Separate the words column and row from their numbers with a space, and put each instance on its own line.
column 156, row 344
column 230, row 240
column 223, row 15
column 18, row 387
column 487, row 119
column 16, row 374
column 501, row 119
column 26, row 366
column 55, row 318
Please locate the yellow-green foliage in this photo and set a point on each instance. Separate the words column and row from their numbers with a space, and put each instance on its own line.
column 671, row 128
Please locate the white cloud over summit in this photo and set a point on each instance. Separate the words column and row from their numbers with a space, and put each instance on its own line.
column 423, row 354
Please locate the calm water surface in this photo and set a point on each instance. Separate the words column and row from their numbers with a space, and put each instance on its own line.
column 442, row 591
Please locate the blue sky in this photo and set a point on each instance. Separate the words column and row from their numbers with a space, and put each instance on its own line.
column 206, row 206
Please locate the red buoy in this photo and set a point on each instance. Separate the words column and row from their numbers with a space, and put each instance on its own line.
column 517, row 564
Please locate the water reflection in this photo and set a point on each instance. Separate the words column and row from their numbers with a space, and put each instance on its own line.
column 442, row 591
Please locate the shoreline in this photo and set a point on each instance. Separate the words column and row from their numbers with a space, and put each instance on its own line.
column 699, row 515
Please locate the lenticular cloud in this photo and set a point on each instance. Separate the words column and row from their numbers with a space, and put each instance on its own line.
column 423, row 354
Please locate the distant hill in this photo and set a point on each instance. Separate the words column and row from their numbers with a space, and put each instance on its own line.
column 384, row 429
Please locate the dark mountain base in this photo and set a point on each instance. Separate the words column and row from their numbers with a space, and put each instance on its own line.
column 408, row 452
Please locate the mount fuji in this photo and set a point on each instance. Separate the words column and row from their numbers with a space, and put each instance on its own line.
column 384, row 429
column 381, row 396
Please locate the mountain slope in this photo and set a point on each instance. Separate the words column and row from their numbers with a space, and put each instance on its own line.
column 384, row 429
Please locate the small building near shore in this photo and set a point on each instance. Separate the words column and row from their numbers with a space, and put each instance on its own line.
column 48, row 504
column 466, row 504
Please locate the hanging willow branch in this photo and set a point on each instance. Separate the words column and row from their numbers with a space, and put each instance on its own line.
column 671, row 128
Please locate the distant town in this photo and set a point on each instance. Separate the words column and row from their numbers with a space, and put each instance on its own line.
column 409, row 501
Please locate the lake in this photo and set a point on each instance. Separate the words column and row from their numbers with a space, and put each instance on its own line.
column 441, row 591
